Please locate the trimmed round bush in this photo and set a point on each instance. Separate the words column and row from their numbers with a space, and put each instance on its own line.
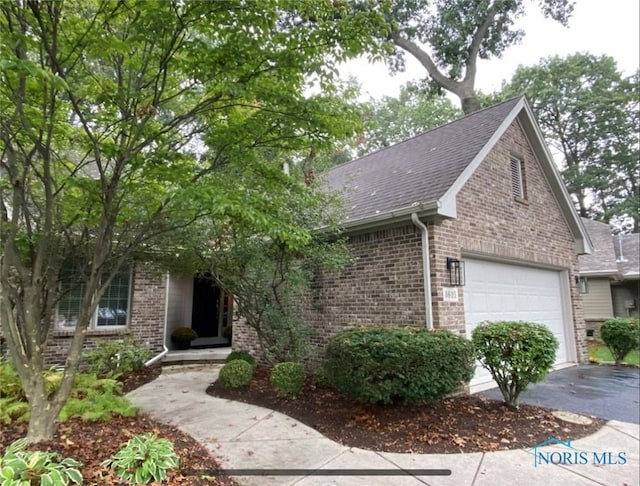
column 621, row 335
column 235, row 374
column 243, row 355
column 287, row 378
column 385, row 365
column 516, row 353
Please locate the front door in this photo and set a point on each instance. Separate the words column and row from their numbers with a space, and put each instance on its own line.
column 206, row 305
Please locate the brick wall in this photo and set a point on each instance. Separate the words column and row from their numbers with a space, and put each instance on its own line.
column 491, row 222
column 384, row 286
column 146, row 321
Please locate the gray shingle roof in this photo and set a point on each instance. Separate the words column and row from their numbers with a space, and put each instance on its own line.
column 417, row 171
column 603, row 259
column 629, row 267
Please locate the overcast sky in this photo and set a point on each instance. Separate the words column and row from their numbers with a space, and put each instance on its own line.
column 598, row 27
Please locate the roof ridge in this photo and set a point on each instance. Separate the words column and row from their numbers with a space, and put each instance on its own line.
column 464, row 117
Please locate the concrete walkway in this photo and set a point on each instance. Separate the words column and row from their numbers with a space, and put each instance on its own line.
column 245, row 437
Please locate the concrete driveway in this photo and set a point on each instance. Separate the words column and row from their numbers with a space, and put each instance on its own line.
column 604, row 391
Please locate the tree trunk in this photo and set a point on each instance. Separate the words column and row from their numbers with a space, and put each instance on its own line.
column 469, row 104
column 42, row 421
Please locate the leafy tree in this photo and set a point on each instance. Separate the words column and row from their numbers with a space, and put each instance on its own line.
column 392, row 120
column 124, row 122
column 269, row 271
column 589, row 113
column 448, row 37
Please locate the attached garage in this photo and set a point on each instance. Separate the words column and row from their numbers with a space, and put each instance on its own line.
column 505, row 291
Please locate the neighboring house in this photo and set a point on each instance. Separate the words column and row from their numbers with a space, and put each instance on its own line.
column 479, row 208
column 609, row 276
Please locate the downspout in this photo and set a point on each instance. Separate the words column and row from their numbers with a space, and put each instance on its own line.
column 426, row 270
column 165, row 350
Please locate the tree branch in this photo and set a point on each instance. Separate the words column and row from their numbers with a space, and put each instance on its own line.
column 424, row 58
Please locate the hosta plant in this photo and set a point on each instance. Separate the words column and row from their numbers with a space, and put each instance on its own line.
column 143, row 458
column 19, row 467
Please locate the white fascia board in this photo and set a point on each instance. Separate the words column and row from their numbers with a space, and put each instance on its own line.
column 389, row 217
column 462, row 179
column 532, row 130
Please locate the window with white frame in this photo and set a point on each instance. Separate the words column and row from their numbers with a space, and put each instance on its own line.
column 517, row 178
column 112, row 311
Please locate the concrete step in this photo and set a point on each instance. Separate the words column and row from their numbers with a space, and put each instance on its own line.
column 191, row 356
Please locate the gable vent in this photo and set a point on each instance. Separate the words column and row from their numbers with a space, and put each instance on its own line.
column 517, row 181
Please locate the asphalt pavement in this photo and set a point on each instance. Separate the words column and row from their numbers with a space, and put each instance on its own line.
column 608, row 392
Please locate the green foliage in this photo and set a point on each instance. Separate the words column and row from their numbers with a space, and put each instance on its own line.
column 516, row 354
column 147, row 123
column 235, row 374
column 269, row 276
column 91, row 398
column 287, row 378
column 144, row 458
column 383, row 365
column 9, row 381
column 183, row 334
column 588, row 111
column 95, row 399
column 112, row 359
column 415, row 110
column 13, row 401
column 19, row 467
column 621, row 335
column 242, row 355
column 455, row 35
column 600, row 353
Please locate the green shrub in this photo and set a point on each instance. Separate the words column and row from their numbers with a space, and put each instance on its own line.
column 143, row 458
column 111, row 359
column 383, row 365
column 287, row 378
column 243, row 355
column 235, row 374
column 13, row 401
column 516, row 354
column 91, row 399
column 19, row 467
column 621, row 335
column 95, row 399
column 182, row 337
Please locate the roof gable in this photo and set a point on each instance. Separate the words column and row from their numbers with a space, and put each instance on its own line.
column 416, row 172
column 425, row 173
column 603, row 259
column 613, row 256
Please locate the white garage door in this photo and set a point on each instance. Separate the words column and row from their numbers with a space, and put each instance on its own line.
column 500, row 291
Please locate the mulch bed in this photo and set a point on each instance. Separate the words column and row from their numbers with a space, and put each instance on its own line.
column 93, row 442
column 458, row 424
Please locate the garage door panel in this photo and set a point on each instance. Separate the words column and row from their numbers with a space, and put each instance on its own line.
column 500, row 291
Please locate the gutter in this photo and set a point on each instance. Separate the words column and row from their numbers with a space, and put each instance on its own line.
column 165, row 350
column 394, row 215
column 426, row 269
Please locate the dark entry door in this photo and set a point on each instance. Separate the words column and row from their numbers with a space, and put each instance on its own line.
column 206, row 298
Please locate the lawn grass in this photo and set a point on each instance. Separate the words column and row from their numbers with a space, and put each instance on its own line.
column 600, row 353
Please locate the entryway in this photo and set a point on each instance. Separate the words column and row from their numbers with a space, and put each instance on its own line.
column 202, row 304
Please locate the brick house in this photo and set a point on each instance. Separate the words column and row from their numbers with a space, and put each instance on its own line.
column 477, row 206
column 146, row 304
column 609, row 276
